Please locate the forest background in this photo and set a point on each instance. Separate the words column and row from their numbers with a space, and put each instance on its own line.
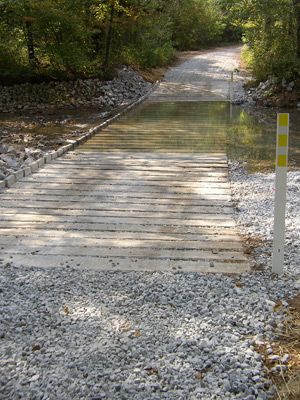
column 67, row 39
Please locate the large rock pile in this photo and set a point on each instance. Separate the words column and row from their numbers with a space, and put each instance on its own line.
column 270, row 93
column 13, row 159
column 128, row 86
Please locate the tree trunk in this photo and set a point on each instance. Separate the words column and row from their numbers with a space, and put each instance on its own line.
column 109, row 36
column 297, row 18
column 30, row 42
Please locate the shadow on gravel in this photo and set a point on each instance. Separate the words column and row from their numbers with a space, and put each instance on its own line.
column 127, row 333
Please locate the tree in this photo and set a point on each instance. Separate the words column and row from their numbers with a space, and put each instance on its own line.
column 270, row 34
column 67, row 38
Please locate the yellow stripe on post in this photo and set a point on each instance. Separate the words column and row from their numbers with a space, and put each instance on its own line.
column 282, row 140
column 283, row 120
column 282, row 161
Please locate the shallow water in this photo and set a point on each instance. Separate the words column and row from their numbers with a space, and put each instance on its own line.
column 197, row 127
column 60, row 123
column 192, row 127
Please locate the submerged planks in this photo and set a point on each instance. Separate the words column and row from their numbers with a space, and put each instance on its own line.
column 127, row 211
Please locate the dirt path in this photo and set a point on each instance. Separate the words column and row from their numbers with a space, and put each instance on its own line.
column 205, row 76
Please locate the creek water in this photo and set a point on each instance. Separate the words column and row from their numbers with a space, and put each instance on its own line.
column 191, row 127
column 200, row 127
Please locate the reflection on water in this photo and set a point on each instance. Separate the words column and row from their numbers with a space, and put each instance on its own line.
column 196, row 127
column 254, row 140
column 191, row 127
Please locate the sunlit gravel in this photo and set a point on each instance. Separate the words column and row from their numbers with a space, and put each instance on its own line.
column 69, row 334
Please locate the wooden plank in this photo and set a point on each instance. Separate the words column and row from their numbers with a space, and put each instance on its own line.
column 158, row 149
column 206, row 219
column 165, row 135
column 160, row 133
column 164, row 146
column 207, row 235
column 116, row 242
column 146, row 157
column 163, row 159
column 143, row 157
column 116, row 176
column 26, row 196
column 62, row 224
column 143, row 189
column 135, row 252
column 159, row 127
column 168, row 166
column 150, row 214
column 167, row 142
column 199, row 171
column 124, row 207
column 116, row 135
column 125, row 264
column 179, row 146
column 129, row 168
column 129, row 182
column 186, row 124
column 164, row 167
column 119, row 195
column 149, row 156
column 122, row 172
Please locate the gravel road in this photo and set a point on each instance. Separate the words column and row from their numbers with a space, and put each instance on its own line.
column 254, row 196
column 204, row 76
column 68, row 334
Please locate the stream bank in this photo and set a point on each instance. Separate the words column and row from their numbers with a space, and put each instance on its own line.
column 36, row 119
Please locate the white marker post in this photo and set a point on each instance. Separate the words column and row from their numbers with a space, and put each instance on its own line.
column 231, row 93
column 231, row 86
column 280, row 192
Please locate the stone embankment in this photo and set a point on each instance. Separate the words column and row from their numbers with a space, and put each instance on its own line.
column 270, row 94
column 126, row 87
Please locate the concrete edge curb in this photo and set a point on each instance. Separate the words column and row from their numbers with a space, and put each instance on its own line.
column 49, row 157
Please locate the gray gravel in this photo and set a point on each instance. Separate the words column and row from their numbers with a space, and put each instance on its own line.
column 204, row 77
column 254, row 197
column 87, row 335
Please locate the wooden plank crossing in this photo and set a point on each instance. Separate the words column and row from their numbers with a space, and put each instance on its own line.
column 125, row 211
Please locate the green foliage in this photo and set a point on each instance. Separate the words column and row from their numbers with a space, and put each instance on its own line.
column 232, row 28
column 196, row 23
column 67, row 38
column 47, row 39
column 148, row 55
column 150, row 45
column 270, row 34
